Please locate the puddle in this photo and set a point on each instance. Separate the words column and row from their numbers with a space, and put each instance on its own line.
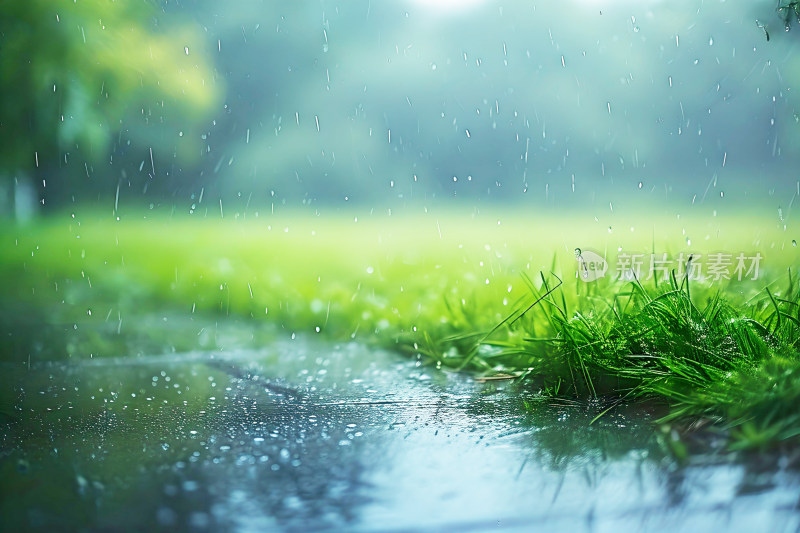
column 304, row 436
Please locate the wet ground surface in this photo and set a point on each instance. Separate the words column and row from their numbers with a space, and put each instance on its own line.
column 303, row 436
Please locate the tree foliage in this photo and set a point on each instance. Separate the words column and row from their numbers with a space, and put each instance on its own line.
column 72, row 72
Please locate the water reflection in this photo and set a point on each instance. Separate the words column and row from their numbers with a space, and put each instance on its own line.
column 302, row 436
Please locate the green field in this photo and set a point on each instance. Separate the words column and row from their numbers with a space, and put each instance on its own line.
column 496, row 293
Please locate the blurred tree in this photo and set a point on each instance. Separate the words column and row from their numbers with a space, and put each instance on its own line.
column 72, row 72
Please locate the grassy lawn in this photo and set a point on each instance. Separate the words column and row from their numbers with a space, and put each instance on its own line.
column 494, row 293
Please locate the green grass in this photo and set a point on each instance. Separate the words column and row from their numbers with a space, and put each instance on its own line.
column 738, row 367
column 493, row 294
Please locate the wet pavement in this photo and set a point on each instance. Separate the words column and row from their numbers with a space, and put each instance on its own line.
column 306, row 436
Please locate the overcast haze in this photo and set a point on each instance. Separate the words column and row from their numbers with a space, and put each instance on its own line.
column 396, row 103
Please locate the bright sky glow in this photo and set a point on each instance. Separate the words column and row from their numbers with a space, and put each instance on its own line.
column 448, row 5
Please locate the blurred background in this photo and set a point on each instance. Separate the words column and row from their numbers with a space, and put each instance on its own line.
column 200, row 105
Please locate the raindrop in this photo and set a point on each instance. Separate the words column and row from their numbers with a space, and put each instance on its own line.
column 794, row 243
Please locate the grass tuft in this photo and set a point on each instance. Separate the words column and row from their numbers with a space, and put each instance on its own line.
column 702, row 360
